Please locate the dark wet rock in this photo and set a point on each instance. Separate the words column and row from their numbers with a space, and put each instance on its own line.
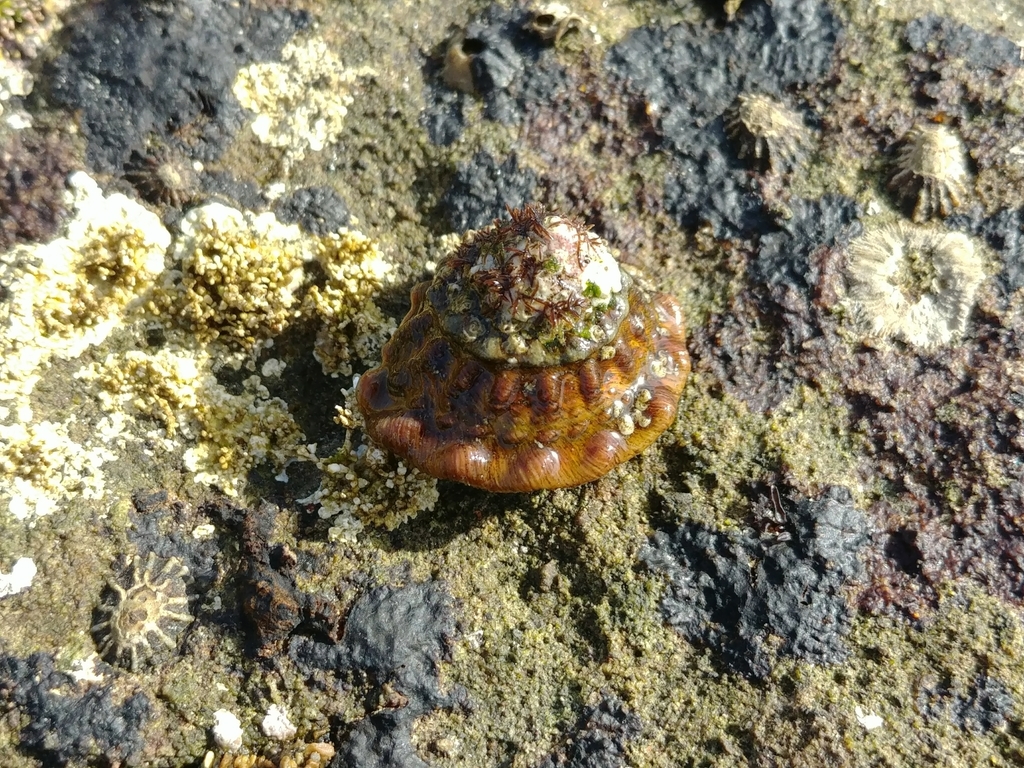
column 511, row 70
column 400, row 635
column 943, row 38
column 163, row 524
column 707, row 184
column 689, row 75
column 135, row 71
column 694, row 72
column 33, row 169
column 730, row 591
column 496, row 63
column 482, row 189
column 784, row 257
column 243, row 193
column 396, row 637
column 984, row 706
column 958, row 69
column 318, row 210
column 70, row 722
column 382, row 740
column 443, row 118
column 313, row 655
column 598, row 739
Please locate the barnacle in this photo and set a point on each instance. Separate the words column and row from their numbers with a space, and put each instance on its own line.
column 913, row 283
column 530, row 361
column 362, row 483
column 550, row 21
column 931, row 172
column 152, row 609
column 766, row 130
column 457, row 72
column 352, row 325
column 731, row 8
column 239, row 274
column 162, row 177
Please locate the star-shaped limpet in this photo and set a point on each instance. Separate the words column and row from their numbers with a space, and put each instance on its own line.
column 147, row 617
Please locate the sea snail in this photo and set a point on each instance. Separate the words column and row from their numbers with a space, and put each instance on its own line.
column 530, row 361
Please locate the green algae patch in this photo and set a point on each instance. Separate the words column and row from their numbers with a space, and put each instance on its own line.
column 720, row 450
column 808, row 438
column 72, row 559
column 947, row 692
column 724, row 449
column 547, row 592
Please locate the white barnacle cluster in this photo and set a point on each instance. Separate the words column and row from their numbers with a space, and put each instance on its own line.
column 237, row 274
column 352, row 326
column 44, row 465
column 913, row 283
column 300, row 102
column 364, row 483
column 63, row 297
column 932, row 175
column 176, row 390
column 218, row 291
column 241, row 431
column 238, row 280
column 70, row 293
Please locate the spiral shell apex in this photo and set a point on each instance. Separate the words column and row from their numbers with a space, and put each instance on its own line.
column 530, row 361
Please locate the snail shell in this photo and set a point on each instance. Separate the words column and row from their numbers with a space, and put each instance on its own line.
column 530, row 361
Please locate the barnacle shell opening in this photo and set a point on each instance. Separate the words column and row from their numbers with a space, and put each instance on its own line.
column 530, row 361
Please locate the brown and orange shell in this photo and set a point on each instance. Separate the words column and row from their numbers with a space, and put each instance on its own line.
column 511, row 428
